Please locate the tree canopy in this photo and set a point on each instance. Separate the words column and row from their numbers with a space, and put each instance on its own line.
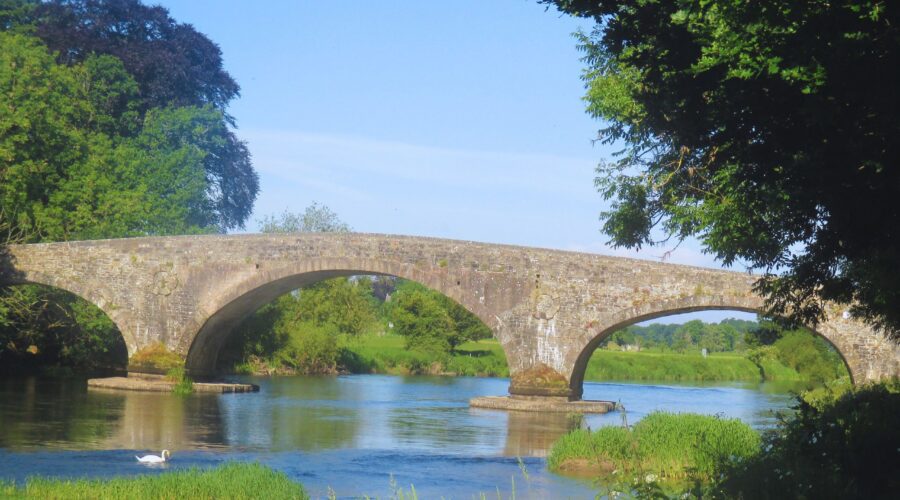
column 104, row 100
column 766, row 130
column 112, row 124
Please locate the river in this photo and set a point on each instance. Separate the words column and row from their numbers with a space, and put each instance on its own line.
column 355, row 434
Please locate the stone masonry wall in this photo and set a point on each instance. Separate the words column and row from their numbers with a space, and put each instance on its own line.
column 548, row 308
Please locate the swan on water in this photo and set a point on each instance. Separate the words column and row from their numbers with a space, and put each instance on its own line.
column 154, row 459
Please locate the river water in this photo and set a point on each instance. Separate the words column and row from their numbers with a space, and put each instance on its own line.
column 355, row 434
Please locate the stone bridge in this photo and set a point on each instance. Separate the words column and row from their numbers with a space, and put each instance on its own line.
column 549, row 309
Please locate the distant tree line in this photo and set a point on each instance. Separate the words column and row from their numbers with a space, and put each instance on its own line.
column 760, row 341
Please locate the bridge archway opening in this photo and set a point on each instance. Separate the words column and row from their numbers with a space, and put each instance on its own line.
column 293, row 315
column 43, row 326
column 738, row 343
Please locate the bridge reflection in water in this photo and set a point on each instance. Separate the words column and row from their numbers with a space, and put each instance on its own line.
column 413, row 414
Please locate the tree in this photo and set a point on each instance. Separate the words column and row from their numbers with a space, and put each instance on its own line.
column 341, row 303
column 134, row 61
column 314, row 219
column 71, row 169
column 174, row 64
column 768, row 131
column 426, row 325
column 430, row 321
column 90, row 147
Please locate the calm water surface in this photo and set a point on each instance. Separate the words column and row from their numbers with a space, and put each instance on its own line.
column 350, row 433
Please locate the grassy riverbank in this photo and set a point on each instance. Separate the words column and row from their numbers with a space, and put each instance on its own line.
column 388, row 354
column 662, row 445
column 645, row 365
column 237, row 480
column 841, row 445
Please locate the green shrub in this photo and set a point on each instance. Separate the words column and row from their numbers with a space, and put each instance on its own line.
column 183, row 384
column 310, row 348
column 848, row 447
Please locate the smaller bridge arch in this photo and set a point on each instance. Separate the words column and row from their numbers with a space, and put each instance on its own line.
column 653, row 311
column 98, row 297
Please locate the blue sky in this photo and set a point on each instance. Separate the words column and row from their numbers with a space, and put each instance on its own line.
column 458, row 120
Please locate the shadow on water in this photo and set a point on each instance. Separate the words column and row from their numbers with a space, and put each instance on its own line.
column 40, row 413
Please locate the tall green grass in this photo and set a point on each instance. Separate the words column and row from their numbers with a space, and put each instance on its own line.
column 667, row 445
column 236, row 480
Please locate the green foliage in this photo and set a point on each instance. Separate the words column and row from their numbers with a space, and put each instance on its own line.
column 421, row 320
column 117, row 131
column 769, row 352
column 766, row 132
column 231, row 480
column 666, row 445
column 432, row 322
column 47, row 326
column 311, row 348
column 725, row 336
column 800, row 352
column 344, row 304
column 844, row 448
column 300, row 330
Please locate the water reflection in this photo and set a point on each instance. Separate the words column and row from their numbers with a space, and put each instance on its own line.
column 310, row 414
column 530, row 434
column 154, row 420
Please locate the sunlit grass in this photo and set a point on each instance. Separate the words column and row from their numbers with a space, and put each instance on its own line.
column 235, row 481
column 616, row 365
column 666, row 445
column 388, row 354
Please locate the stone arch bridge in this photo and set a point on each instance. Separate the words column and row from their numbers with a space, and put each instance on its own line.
column 549, row 309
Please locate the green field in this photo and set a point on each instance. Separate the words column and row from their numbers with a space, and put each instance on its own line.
column 644, row 365
column 236, row 480
column 388, row 354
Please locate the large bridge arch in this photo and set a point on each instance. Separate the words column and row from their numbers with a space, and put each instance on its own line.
column 225, row 311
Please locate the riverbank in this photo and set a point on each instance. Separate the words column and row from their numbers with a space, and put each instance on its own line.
column 233, row 480
column 387, row 354
column 841, row 446
column 662, row 446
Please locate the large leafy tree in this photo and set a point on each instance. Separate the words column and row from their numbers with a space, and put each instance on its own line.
column 170, row 65
column 112, row 124
column 765, row 129
column 65, row 171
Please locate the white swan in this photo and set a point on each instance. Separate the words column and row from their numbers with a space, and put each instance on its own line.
column 153, row 459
